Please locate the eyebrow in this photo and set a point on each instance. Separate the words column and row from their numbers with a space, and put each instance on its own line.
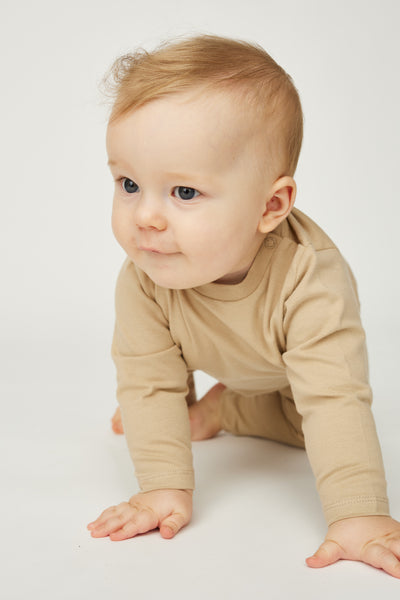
column 185, row 176
column 172, row 175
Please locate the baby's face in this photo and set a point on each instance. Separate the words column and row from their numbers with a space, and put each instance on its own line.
column 188, row 197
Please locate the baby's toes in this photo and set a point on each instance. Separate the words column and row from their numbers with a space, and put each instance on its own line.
column 116, row 422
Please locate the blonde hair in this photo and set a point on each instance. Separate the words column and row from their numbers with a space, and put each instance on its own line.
column 214, row 63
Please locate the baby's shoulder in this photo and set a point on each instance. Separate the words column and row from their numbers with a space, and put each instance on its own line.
column 316, row 263
column 303, row 231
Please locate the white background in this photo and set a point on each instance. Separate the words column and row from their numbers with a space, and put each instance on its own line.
column 257, row 515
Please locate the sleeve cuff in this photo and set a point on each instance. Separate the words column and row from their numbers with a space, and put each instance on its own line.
column 357, row 506
column 177, row 480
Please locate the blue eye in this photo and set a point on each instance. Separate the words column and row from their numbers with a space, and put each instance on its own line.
column 129, row 186
column 185, row 193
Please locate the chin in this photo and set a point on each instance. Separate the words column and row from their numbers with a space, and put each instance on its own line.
column 166, row 280
column 172, row 282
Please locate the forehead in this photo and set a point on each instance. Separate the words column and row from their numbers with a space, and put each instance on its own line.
column 181, row 131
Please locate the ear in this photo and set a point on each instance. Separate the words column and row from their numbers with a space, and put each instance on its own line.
column 279, row 204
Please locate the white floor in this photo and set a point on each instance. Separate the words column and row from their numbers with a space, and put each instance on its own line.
column 256, row 514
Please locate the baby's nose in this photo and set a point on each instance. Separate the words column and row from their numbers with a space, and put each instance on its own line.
column 149, row 214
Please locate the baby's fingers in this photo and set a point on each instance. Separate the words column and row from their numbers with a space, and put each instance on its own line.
column 140, row 522
column 382, row 558
column 172, row 524
column 110, row 520
column 106, row 514
column 328, row 553
column 394, row 546
column 108, row 527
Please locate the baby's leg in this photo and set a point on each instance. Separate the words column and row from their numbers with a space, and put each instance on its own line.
column 205, row 415
column 272, row 416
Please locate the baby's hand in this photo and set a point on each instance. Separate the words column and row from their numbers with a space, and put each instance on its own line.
column 170, row 510
column 373, row 540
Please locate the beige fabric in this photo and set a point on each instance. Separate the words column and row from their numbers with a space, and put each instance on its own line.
column 287, row 342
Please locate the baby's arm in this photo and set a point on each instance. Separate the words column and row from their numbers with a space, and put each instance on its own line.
column 327, row 367
column 168, row 510
column 374, row 540
column 152, row 387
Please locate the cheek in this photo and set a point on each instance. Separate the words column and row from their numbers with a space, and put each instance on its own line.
column 201, row 236
column 208, row 235
column 114, row 223
column 118, row 223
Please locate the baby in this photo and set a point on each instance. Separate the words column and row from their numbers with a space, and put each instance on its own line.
column 224, row 275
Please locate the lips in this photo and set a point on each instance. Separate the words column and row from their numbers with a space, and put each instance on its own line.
column 150, row 250
column 154, row 250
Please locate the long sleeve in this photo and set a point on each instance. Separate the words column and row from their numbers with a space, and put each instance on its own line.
column 152, row 386
column 327, row 369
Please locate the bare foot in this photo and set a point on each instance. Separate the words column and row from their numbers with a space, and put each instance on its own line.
column 116, row 422
column 204, row 415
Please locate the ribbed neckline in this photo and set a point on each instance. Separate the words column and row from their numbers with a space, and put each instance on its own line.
column 237, row 291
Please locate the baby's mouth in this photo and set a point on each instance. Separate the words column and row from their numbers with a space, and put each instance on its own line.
column 155, row 251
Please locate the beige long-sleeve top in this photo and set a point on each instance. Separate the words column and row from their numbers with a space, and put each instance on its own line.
column 293, row 321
